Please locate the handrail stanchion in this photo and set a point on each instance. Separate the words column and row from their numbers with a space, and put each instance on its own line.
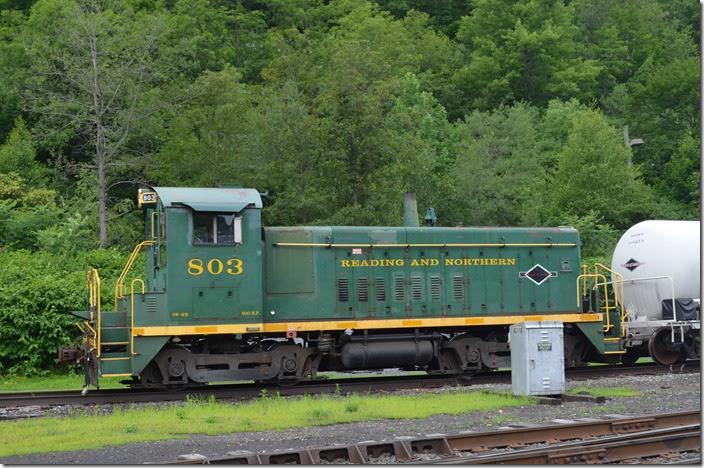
column 132, row 353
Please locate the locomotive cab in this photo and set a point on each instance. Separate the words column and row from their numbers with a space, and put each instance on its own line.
column 212, row 255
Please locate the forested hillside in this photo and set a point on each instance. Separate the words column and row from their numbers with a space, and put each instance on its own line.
column 495, row 112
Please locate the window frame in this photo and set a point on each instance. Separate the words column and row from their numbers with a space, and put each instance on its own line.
column 236, row 228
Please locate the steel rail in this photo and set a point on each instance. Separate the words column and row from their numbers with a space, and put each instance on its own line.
column 243, row 391
column 659, row 429
column 603, row 450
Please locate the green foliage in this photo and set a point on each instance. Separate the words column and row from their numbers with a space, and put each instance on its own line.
column 37, row 292
column 522, row 51
column 498, row 168
column 492, row 111
column 592, row 175
column 18, row 154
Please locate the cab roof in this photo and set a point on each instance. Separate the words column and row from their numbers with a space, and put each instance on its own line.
column 209, row 199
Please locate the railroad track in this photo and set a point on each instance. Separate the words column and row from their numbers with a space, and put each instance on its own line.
column 246, row 391
column 592, row 441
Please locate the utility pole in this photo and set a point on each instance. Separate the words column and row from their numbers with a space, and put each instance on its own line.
column 630, row 144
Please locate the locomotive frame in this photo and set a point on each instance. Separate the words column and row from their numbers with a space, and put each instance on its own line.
column 227, row 299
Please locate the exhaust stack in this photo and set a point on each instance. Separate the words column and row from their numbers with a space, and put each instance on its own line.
column 410, row 210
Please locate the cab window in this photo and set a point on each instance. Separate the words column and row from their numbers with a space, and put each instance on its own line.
column 217, row 228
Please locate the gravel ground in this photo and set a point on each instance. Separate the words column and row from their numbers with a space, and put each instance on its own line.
column 660, row 393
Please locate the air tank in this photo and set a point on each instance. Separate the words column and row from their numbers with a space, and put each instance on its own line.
column 657, row 258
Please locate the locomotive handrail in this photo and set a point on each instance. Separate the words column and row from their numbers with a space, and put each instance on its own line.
column 622, row 313
column 93, row 284
column 132, row 353
column 501, row 244
column 154, row 213
column 608, row 324
column 119, row 286
column 93, row 280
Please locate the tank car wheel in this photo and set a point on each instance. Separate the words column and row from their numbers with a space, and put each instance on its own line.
column 661, row 348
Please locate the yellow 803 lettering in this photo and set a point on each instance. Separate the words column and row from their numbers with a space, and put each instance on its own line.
column 195, row 267
column 215, row 266
column 234, row 266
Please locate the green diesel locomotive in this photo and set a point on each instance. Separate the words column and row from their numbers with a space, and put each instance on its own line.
column 225, row 298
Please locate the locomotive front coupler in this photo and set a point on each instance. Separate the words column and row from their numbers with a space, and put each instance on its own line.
column 82, row 357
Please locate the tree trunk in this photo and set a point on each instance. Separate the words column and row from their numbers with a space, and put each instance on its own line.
column 100, row 150
column 102, row 196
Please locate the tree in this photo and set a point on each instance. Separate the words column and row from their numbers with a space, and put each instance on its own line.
column 498, row 168
column 626, row 35
column 592, row 176
column 93, row 62
column 663, row 108
column 522, row 51
column 14, row 69
column 18, row 154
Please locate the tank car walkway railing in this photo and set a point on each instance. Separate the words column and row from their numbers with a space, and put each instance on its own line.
column 673, row 322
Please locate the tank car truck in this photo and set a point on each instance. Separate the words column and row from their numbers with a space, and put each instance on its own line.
column 225, row 298
column 656, row 273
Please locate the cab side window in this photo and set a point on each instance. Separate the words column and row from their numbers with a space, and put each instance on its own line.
column 217, row 228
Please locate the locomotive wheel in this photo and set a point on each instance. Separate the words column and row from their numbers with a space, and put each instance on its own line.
column 661, row 348
column 630, row 357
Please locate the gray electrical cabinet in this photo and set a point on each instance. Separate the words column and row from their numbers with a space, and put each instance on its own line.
column 537, row 358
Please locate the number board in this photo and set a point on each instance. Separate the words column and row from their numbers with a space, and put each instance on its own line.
column 146, row 197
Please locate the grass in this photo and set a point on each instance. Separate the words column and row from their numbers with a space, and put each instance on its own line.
column 608, row 392
column 52, row 382
column 212, row 417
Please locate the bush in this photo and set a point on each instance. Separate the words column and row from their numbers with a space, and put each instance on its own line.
column 38, row 290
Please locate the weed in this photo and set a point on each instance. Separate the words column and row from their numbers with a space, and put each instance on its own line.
column 500, row 419
column 181, row 414
column 319, row 414
column 211, row 420
column 352, row 406
column 131, row 429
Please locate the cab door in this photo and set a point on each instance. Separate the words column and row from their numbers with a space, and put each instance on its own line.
column 217, row 267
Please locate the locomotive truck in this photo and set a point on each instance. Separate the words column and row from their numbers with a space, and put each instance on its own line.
column 225, row 298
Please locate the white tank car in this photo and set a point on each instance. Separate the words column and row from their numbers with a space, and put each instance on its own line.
column 659, row 250
column 659, row 260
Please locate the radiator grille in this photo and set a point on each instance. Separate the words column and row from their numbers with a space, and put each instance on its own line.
column 380, row 289
column 399, row 289
column 458, row 287
column 417, row 288
column 150, row 304
column 343, row 290
column 435, row 288
column 363, row 289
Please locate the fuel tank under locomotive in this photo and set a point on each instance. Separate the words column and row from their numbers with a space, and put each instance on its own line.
column 386, row 354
